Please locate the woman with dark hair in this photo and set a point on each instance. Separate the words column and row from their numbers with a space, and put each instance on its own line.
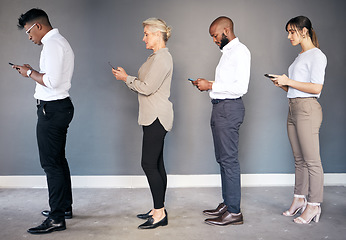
column 155, row 113
column 303, row 86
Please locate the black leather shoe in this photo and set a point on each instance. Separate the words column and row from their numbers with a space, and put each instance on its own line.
column 226, row 219
column 221, row 209
column 144, row 215
column 49, row 225
column 149, row 224
column 68, row 214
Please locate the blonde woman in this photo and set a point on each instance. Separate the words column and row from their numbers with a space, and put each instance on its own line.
column 155, row 113
column 303, row 86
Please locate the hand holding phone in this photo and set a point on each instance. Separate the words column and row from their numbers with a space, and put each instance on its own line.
column 13, row 65
column 269, row 76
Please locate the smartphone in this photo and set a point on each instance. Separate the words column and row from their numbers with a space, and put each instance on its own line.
column 268, row 76
column 12, row 65
column 190, row 79
column 111, row 65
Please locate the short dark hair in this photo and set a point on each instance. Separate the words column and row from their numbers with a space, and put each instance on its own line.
column 31, row 15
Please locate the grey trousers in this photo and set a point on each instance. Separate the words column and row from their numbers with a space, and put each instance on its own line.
column 226, row 118
column 303, row 125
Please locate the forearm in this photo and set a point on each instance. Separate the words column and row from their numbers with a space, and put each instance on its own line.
column 149, row 83
column 34, row 75
column 37, row 77
column 142, row 87
column 285, row 88
column 307, row 87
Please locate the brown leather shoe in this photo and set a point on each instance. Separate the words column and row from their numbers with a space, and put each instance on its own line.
column 226, row 219
column 217, row 211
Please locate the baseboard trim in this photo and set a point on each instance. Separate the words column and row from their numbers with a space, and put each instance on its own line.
column 174, row 181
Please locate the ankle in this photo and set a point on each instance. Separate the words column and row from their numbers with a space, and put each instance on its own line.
column 313, row 207
column 299, row 196
column 299, row 199
column 159, row 213
column 314, row 204
column 158, row 217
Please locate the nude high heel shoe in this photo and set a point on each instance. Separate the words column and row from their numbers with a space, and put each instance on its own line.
column 301, row 208
column 315, row 217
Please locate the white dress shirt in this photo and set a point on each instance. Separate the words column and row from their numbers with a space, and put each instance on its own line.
column 309, row 66
column 233, row 72
column 57, row 64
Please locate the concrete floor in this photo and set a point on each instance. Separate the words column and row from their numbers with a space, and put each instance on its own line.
column 111, row 214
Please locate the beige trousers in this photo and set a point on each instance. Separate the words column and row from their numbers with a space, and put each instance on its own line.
column 303, row 125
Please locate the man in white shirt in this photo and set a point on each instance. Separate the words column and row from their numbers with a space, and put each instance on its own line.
column 55, row 112
column 231, row 83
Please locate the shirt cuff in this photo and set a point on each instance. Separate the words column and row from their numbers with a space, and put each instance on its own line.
column 130, row 79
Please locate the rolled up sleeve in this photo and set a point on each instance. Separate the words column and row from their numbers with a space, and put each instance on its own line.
column 54, row 62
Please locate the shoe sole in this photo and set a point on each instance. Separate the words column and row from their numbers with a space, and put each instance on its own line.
column 145, row 218
column 152, row 227
column 53, row 230
column 234, row 223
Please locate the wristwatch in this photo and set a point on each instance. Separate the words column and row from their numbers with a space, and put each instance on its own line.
column 28, row 72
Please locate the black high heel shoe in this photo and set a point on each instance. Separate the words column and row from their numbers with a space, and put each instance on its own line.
column 145, row 215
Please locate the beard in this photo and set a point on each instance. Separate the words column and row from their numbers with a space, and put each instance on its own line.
column 224, row 41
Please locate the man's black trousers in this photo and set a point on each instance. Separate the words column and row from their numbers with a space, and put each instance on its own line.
column 53, row 121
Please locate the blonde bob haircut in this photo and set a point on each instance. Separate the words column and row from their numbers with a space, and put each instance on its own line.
column 156, row 24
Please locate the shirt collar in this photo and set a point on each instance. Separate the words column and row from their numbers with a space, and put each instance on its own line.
column 229, row 45
column 49, row 35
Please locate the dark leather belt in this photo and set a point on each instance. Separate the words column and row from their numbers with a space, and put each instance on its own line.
column 216, row 101
column 39, row 102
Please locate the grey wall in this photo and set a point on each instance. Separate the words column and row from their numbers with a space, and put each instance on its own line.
column 104, row 138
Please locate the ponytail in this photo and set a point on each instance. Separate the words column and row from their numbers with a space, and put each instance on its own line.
column 314, row 38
